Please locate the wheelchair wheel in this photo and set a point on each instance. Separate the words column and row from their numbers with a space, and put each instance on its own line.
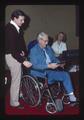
column 50, row 108
column 30, row 91
column 57, row 106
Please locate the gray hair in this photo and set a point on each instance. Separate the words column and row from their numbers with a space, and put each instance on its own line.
column 41, row 35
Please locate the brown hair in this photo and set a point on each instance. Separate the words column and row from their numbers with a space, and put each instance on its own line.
column 64, row 38
column 17, row 13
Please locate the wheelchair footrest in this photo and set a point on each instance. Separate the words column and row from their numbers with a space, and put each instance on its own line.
column 59, row 105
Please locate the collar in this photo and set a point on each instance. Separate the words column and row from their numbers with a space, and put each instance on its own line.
column 42, row 48
column 16, row 26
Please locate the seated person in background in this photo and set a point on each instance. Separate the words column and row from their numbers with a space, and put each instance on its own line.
column 45, row 64
column 59, row 45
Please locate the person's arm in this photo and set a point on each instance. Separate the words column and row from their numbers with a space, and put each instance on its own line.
column 34, row 58
column 53, row 65
column 40, row 65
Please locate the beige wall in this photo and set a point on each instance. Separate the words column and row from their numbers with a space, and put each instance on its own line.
column 50, row 19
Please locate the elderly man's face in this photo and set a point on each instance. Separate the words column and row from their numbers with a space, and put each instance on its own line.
column 43, row 42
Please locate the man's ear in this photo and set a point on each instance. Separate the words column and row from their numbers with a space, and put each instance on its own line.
column 15, row 18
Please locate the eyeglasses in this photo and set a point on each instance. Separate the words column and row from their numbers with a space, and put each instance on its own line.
column 46, row 41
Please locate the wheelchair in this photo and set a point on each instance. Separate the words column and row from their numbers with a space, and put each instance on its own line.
column 33, row 89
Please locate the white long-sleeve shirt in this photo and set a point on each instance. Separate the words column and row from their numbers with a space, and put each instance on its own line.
column 59, row 48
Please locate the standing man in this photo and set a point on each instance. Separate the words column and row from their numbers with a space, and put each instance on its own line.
column 15, row 54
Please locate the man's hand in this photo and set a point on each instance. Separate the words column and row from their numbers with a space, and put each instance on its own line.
column 53, row 65
column 27, row 64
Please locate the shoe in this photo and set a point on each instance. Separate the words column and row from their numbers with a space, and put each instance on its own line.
column 72, row 98
column 19, row 106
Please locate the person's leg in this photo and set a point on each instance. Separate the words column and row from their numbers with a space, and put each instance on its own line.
column 15, row 69
column 65, row 78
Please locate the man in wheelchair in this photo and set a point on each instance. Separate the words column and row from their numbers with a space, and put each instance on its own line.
column 45, row 64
